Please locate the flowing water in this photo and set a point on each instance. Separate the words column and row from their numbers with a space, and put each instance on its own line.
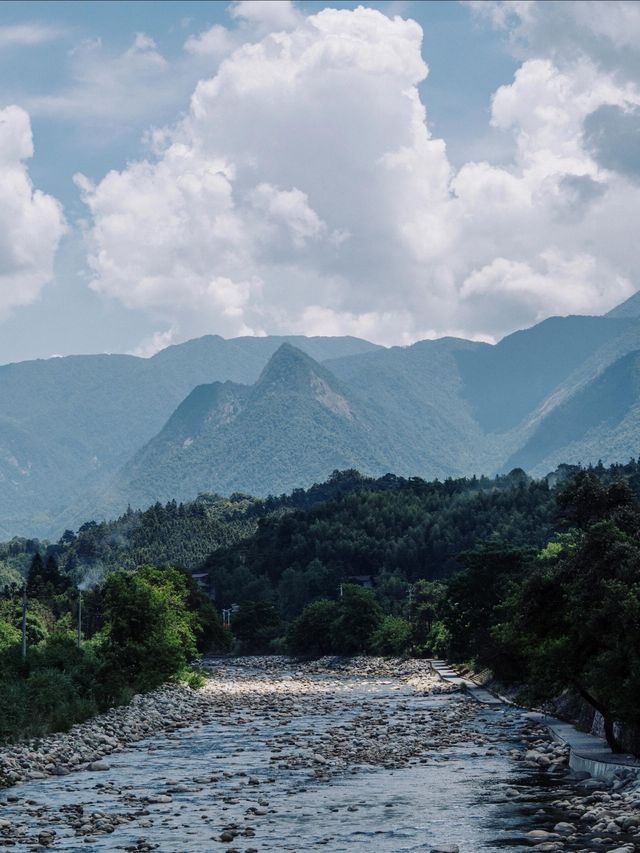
column 221, row 776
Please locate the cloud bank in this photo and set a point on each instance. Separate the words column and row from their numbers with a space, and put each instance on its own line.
column 304, row 192
column 31, row 222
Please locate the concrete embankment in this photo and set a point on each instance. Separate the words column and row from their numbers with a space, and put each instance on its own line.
column 587, row 753
column 604, row 807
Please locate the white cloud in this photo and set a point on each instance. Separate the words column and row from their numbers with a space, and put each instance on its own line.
column 303, row 191
column 606, row 31
column 109, row 87
column 266, row 14
column 215, row 42
column 31, row 222
column 153, row 344
column 28, row 35
column 517, row 287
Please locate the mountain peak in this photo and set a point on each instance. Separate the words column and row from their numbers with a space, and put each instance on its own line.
column 292, row 372
column 287, row 363
column 629, row 308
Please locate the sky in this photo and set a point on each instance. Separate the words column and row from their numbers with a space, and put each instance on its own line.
column 393, row 170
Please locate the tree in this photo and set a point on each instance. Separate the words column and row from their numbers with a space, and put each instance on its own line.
column 391, row 637
column 426, row 609
column 574, row 622
column 149, row 631
column 312, row 632
column 35, row 574
column 359, row 615
column 473, row 595
column 256, row 624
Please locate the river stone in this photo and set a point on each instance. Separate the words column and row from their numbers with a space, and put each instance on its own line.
column 564, row 828
column 160, row 798
column 99, row 766
column 446, row 848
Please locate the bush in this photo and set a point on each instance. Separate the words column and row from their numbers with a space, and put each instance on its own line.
column 392, row 637
column 13, row 709
column 9, row 636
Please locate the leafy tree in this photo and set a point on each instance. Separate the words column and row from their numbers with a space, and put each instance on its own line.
column 359, row 614
column 391, row 637
column 574, row 622
column 256, row 624
column 312, row 632
column 427, row 609
column 473, row 595
column 149, row 632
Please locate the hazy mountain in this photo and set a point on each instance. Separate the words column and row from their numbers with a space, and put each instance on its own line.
column 297, row 421
column 85, row 434
column 600, row 421
column 435, row 409
column 67, row 424
column 629, row 308
column 418, row 393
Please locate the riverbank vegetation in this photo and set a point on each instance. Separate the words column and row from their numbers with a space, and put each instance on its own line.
column 536, row 580
column 139, row 629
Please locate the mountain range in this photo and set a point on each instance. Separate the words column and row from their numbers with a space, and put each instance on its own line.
column 84, row 436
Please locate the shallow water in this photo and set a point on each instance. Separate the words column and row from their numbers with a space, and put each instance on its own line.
column 457, row 795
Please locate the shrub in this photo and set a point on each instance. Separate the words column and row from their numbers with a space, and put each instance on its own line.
column 392, row 637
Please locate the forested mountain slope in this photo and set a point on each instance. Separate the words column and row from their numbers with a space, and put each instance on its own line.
column 295, row 425
column 67, row 424
column 92, row 433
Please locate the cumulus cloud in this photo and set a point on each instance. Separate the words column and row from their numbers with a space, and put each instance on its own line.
column 612, row 135
column 304, row 191
column 31, row 222
column 215, row 42
column 153, row 344
column 266, row 14
column 519, row 288
column 607, row 31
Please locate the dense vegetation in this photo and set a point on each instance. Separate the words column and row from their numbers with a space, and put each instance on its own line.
column 178, row 534
column 550, row 603
column 138, row 630
column 390, row 532
column 538, row 581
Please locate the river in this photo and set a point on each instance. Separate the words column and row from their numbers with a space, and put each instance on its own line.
column 291, row 761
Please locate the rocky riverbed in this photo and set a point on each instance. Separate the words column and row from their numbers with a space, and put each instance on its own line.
column 274, row 755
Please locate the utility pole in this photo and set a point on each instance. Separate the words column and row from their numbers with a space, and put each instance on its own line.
column 24, row 622
column 79, row 617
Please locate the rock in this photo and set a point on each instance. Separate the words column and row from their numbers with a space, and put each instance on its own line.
column 99, row 766
column 160, row 798
column 227, row 835
column 447, row 848
column 542, row 835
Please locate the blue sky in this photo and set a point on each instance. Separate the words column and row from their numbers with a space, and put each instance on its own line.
column 480, row 216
